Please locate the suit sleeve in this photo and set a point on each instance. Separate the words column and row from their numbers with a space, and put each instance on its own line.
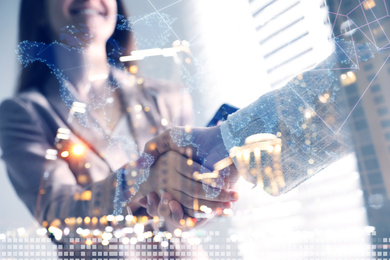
column 47, row 187
column 308, row 114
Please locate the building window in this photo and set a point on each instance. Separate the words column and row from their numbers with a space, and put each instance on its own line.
column 358, row 112
column 369, row 78
column 385, row 123
column 379, row 99
column 383, row 111
column 353, row 100
column 361, row 125
column 371, row 164
column 351, row 89
column 368, row 66
column 375, row 89
column 375, row 179
column 379, row 191
column 368, row 150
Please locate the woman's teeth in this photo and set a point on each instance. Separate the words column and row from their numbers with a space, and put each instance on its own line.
column 87, row 12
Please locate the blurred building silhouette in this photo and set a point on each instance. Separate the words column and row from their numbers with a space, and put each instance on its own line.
column 293, row 36
column 368, row 95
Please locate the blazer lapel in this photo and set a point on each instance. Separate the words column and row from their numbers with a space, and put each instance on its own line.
column 140, row 104
column 66, row 102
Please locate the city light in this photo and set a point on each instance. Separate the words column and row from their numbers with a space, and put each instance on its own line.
column 249, row 160
column 65, row 154
column 348, row 78
column 369, row 4
column 78, row 149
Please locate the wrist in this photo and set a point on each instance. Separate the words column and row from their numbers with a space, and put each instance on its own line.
column 227, row 138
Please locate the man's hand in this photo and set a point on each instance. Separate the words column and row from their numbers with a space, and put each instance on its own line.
column 187, row 151
column 170, row 210
column 173, row 173
column 203, row 145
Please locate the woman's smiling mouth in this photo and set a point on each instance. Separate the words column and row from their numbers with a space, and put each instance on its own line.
column 86, row 11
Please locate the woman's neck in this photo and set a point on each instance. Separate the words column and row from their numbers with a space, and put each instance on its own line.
column 87, row 70
column 81, row 65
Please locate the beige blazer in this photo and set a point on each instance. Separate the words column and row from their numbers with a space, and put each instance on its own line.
column 78, row 186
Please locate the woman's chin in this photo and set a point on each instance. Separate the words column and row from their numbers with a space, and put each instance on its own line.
column 85, row 34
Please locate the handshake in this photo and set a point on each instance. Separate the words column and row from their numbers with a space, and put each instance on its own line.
column 183, row 179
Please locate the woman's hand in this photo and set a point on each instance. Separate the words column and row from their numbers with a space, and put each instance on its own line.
column 173, row 172
column 169, row 210
column 204, row 145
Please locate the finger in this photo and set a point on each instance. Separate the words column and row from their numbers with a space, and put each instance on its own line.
column 224, row 179
column 190, row 213
column 152, row 204
column 177, row 211
column 194, row 203
column 225, row 174
column 185, row 166
column 196, row 189
column 143, row 202
column 202, row 194
column 229, row 174
column 160, row 144
column 183, row 140
column 233, row 175
column 163, row 207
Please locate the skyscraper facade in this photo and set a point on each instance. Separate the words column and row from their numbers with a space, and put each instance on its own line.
column 292, row 39
column 295, row 35
column 365, row 85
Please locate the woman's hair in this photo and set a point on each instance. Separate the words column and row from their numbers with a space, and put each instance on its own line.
column 32, row 28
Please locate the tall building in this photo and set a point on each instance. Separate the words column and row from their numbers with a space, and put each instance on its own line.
column 368, row 97
column 292, row 38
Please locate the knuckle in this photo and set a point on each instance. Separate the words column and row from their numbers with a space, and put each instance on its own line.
column 198, row 191
column 224, row 196
column 151, row 211
column 150, row 145
column 170, row 154
column 187, row 202
column 165, row 138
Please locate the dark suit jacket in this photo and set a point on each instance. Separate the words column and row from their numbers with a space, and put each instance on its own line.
column 78, row 185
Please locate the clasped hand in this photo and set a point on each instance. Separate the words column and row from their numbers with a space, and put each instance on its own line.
column 171, row 190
